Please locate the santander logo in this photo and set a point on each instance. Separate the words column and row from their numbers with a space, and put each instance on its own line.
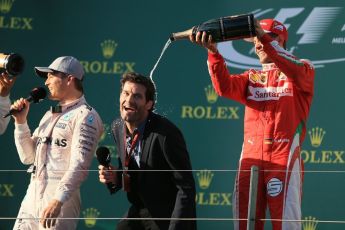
column 270, row 93
column 310, row 29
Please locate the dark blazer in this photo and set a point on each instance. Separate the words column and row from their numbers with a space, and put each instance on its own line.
column 166, row 194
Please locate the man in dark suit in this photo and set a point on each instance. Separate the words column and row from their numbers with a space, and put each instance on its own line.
column 147, row 143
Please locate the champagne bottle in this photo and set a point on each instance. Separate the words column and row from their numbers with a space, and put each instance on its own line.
column 222, row 29
column 12, row 63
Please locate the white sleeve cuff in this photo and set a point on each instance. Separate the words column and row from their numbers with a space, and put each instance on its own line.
column 21, row 128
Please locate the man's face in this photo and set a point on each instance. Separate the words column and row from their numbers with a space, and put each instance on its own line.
column 57, row 85
column 134, row 107
column 259, row 49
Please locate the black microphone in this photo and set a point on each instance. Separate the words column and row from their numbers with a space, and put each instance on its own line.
column 103, row 157
column 35, row 96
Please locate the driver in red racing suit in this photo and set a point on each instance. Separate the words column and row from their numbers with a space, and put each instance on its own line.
column 277, row 101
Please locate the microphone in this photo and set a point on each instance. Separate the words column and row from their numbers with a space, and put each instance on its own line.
column 103, row 157
column 35, row 96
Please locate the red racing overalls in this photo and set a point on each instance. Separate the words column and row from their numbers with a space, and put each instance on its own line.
column 277, row 102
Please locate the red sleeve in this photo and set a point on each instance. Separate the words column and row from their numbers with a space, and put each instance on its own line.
column 302, row 71
column 233, row 86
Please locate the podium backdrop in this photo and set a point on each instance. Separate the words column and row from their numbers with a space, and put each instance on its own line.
column 111, row 37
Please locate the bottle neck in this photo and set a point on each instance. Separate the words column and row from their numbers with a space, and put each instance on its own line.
column 181, row 35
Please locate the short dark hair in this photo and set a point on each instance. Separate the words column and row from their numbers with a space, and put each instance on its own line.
column 79, row 84
column 142, row 80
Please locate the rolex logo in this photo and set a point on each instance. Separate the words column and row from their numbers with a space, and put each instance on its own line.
column 90, row 215
column 108, row 48
column 310, row 223
column 316, row 135
column 5, row 6
column 211, row 94
column 204, row 178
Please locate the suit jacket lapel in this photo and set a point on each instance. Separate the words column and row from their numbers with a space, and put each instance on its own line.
column 118, row 131
column 119, row 127
column 146, row 141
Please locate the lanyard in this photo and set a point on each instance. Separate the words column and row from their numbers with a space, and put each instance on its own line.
column 133, row 144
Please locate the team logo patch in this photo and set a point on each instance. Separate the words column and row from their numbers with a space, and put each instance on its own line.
column 67, row 116
column 278, row 27
column 281, row 76
column 258, row 77
column 60, row 125
column 274, row 187
column 90, row 119
column 270, row 93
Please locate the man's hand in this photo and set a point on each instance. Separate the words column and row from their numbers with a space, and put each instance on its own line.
column 6, row 84
column 201, row 38
column 50, row 214
column 22, row 106
column 106, row 175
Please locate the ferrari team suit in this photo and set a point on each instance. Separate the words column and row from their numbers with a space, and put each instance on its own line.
column 277, row 101
column 61, row 150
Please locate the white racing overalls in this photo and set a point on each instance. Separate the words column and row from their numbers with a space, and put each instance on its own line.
column 61, row 150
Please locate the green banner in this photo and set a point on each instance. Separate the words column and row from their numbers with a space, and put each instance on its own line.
column 113, row 37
